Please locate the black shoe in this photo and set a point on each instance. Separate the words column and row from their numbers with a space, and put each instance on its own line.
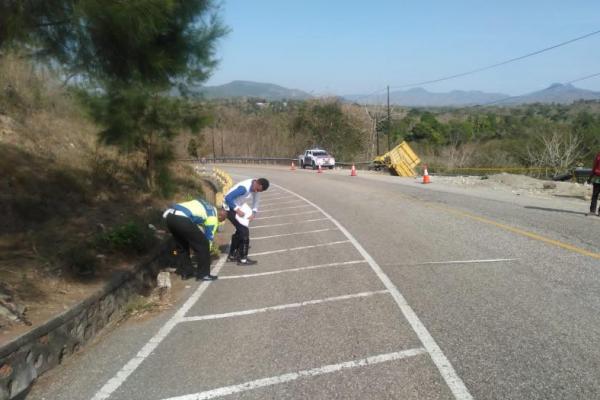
column 208, row 277
column 246, row 261
column 231, row 258
column 186, row 275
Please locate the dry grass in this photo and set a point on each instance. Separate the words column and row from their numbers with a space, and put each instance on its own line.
column 60, row 191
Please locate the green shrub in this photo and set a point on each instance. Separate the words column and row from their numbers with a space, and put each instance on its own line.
column 81, row 260
column 129, row 238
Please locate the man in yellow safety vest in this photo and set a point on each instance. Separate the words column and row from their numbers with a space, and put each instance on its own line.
column 193, row 224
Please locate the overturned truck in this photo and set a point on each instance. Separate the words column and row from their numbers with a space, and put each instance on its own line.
column 401, row 160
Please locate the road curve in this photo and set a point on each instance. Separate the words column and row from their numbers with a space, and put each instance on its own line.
column 372, row 287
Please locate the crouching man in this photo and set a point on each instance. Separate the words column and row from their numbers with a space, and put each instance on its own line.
column 193, row 224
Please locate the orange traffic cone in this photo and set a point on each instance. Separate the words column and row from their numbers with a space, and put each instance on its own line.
column 319, row 170
column 353, row 171
column 425, row 175
column 293, row 167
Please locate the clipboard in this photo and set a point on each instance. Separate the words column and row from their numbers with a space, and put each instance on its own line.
column 245, row 220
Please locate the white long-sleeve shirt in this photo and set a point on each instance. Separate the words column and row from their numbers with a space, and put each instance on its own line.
column 239, row 194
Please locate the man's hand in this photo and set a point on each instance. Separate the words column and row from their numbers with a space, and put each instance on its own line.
column 251, row 218
column 240, row 213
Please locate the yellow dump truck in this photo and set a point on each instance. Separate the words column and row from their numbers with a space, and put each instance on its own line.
column 401, row 160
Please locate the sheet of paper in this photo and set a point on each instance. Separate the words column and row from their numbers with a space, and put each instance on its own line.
column 245, row 220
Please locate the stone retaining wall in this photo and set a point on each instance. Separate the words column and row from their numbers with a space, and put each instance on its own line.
column 25, row 358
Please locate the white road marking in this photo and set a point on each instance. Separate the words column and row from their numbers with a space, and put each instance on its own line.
column 281, row 307
column 283, row 208
column 493, row 260
column 276, row 380
column 282, row 271
column 278, row 203
column 291, row 223
column 298, row 248
column 273, row 197
column 446, row 369
column 287, row 215
column 295, row 233
column 116, row 381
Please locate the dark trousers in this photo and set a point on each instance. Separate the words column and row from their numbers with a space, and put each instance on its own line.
column 240, row 240
column 595, row 193
column 188, row 235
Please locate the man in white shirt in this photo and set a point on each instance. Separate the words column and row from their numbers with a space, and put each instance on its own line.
column 238, row 195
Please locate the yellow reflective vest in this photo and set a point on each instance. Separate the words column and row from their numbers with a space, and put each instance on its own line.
column 201, row 213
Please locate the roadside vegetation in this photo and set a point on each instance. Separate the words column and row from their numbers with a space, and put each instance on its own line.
column 88, row 126
column 542, row 139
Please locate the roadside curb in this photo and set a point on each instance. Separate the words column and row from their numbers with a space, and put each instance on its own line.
column 30, row 355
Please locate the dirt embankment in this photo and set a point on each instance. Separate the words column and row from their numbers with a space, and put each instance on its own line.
column 521, row 184
column 74, row 212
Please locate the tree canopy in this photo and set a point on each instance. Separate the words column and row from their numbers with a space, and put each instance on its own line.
column 156, row 42
column 128, row 56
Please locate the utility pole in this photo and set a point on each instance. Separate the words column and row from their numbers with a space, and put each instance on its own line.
column 389, row 121
column 376, row 129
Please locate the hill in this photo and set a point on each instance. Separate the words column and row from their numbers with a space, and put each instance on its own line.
column 555, row 93
column 419, row 97
column 267, row 91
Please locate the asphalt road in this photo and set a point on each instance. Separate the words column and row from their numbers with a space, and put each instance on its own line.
column 372, row 287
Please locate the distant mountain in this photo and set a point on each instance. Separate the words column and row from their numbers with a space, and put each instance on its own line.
column 555, row 93
column 267, row 91
column 419, row 97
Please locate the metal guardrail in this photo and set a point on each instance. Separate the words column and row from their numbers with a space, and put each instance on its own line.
column 220, row 179
column 265, row 160
column 578, row 174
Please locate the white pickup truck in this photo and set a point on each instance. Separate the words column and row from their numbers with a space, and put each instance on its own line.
column 315, row 157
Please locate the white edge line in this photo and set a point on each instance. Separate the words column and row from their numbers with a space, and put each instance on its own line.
column 298, row 248
column 290, row 223
column 295, row 233
column 281, row 306
column 282, row 271
column 446, row 369
column 469, row 261
column 116, row 381
column 327, row 369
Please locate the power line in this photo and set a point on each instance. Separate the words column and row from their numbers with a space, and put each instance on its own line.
column 499, row 63
column 583, row 78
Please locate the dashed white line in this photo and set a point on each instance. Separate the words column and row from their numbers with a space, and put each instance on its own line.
column 115, row 382
column 446, row 369
column 295, row 233
column 290, row 223
column 493, row 260
column 281, row 306
column 283, row 271
column 276, row 380
column 274, row 198
column 278, row 203
column 262, row 211
column 287, row 215
column 299, row 248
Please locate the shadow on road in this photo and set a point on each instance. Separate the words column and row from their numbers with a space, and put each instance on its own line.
column 556, row 210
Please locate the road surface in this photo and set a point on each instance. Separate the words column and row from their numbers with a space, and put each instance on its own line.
column 372, row 287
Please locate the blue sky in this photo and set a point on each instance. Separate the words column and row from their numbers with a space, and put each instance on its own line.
column 358, row 47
